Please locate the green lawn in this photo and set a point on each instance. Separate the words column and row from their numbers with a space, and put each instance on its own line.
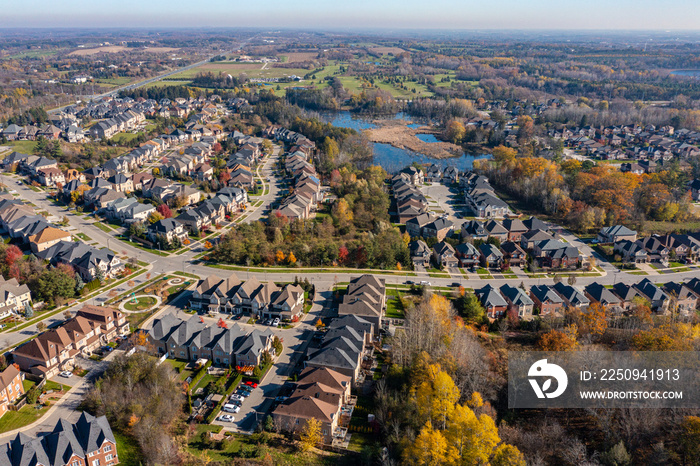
column 204, row 381
column 394, row 308
column 15, row 419
column 103, row 227
column 128, row 450
column 25, row 147
column 142, row 303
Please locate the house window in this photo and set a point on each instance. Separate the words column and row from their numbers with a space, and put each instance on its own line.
column 75, row 463
column 107, row 448
column 96, row 463
column 109, row 457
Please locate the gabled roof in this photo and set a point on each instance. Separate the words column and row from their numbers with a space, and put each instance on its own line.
column 491, row 297
column 515, row 295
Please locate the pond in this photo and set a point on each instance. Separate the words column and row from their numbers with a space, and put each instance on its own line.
column 391, row 158
column 427, row 137
column 689, row 73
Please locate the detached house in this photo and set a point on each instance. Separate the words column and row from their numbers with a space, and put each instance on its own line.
column 444, row 255
column 518, row 301
column 495, row 304
column 546, row 299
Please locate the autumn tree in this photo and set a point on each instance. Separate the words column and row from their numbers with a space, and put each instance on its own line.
column 164, row 210
column 689, row 439
column 310, row 435
column 554, row 340
column 503, row 154
column 594, row 321
column 428, row 449
column 455, row 132
column 154, row 217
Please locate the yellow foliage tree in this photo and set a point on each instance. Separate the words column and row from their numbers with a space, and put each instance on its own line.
column 429, row 448
column 279, row 257
column 291, row 259
column 503, row 154
column 310, row 434
column 508, row 455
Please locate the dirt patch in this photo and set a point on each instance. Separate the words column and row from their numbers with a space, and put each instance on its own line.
column 109, row 49
column 300, row 56
column 386, row 50
column 396, row 133
column 159, row 49
column 120, row 48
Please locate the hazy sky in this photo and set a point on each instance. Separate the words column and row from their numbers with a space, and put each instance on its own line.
column 325, row 14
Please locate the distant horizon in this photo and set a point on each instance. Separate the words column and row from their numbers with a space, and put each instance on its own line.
column 450, row 15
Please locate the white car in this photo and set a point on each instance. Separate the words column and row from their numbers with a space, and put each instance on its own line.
column 236, row 397
column 276, row 322
column 66, row 374
column 226, row 418
column 231, row 408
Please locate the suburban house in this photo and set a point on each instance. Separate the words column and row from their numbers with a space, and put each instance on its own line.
column 14, row 297
column 467, row 255
column 686, row 300
column 87, row 442
column 414, row 226
column 658, row 299
column 571, row 296
column 365, row 298
column 473, row 230
column 598, row 293
column 631, row 252
column 515, row 227
column 496, row 230
column 167, row 228
column 11, row 387
column 495, row 304
column 616, row 233
column 193, row 339
column 627, row 294
column 444, row 255
column 420, row 253
column 490, row 256
column 518, row 301
column 546, row 300
column 55, row 349
column 438, row 228
column 513, row 254
column 322, row 394
column 87, row 260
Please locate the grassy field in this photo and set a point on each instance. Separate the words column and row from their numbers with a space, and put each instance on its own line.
column 120, row 81
column 24, row 147
column 124, row 138
column 668, row 227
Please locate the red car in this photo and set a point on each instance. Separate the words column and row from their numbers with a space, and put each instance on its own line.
column 252, row 384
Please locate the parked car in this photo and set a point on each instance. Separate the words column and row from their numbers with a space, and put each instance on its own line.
column 276, row 322
column 66, row 374
column 236, row 396
column 244, row 393
column 250, row 383
column 226, row 418
column 230, row 408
